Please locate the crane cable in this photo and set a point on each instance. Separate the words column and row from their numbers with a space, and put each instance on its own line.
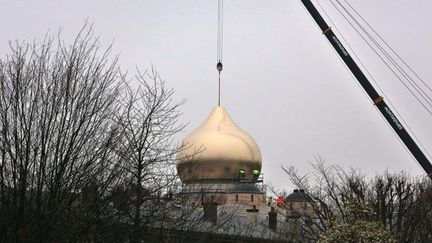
column 394, row 62
column 365, row 68
column 402, row 74
column 407, row 77
column 219, row 65
column 389, row 58
column 392, row 50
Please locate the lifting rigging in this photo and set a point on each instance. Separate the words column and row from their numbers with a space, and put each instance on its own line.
column 219, row 65
column 420, row 91
column 370, row 90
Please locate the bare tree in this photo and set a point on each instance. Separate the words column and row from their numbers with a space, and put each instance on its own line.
column 397, row 202
column 148, row 121
column 56, row 108
column 87, row 155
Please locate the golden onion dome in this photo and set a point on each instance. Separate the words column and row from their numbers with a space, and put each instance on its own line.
column 218, row 150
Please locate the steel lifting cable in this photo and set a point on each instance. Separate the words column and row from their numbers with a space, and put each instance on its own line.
column 353, row 52
column 220, row 32
column 407, row 77
column 382, row 91
column 385, row 42
column 382, row 59
column 383, row 51
column 219, row 65
column 402, row 60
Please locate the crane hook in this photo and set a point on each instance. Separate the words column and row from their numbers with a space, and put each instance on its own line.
column 219, row 66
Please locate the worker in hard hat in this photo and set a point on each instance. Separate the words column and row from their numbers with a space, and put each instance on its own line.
column 280, row 201
column 241, row 174
column 255, row 174
column 269, row 201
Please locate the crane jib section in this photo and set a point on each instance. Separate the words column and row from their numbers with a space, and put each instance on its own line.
column 370, row 90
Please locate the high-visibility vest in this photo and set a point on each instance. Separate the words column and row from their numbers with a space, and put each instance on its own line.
column 280, row 201
column 241, row 174
column 269, row 200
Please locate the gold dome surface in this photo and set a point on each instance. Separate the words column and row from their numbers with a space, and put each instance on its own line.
column 217, row 150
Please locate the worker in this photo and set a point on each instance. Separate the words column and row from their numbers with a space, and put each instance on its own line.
column 269, row 201
column 241, row 174
column 280, row 201
column 255, row 174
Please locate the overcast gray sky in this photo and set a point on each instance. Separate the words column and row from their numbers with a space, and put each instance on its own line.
column 282, row 82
